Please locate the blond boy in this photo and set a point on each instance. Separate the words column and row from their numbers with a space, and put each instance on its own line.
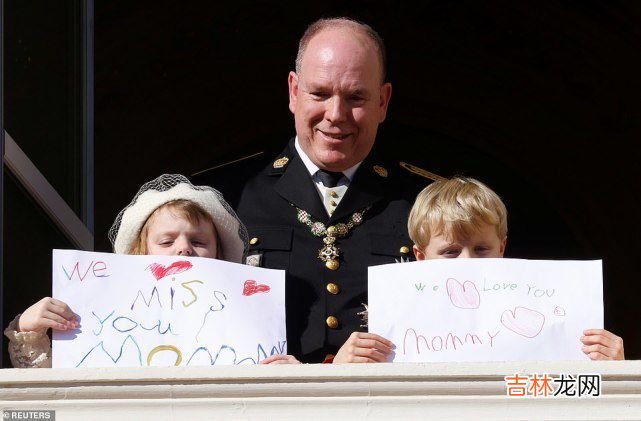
column 462, row 217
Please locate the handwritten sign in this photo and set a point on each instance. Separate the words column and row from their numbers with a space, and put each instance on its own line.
column 166, row 310
column 486, row 309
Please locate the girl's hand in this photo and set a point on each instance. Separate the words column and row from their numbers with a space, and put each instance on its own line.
column 600, row 344
column 280, row 359
column 47, row 313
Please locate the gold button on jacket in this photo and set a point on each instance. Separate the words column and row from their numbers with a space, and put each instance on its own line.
column 404, row 250
column 332, row 288
column 332, row 264
column 332, row 322
column 253, row 241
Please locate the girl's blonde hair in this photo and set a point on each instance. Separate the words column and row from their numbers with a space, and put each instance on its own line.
column 187, row 209
column 457, row 207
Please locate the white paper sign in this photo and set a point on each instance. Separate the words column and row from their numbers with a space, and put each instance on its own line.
column 486, row 309
column 166, row 310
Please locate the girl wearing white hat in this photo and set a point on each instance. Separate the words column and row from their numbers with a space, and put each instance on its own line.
column 168, row 216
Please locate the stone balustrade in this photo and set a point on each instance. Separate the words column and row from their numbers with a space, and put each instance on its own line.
column 316, row 391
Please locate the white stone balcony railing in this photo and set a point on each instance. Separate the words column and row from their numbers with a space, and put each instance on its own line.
column 315, row 391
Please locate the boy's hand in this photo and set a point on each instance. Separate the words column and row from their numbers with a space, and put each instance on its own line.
column 600, row 344
column 280, row 359
column 47, row 313
column 363, row 347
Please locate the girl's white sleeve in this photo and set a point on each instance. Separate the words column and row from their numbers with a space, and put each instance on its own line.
column 28, row 349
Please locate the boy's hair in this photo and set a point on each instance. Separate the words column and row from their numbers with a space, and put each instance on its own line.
column 457, row 206
column 187, row 209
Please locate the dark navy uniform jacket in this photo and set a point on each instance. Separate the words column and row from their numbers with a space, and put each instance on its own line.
column 267, row 205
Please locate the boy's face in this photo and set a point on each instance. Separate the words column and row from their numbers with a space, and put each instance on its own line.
column 172, row 235
column 484, row 243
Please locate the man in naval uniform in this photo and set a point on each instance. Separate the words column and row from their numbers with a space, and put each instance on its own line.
column 325, row 208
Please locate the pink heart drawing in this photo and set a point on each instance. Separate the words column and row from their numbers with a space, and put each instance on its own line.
column 523, row 321
column 463, row 296
column 160, row 271
column 252, row 287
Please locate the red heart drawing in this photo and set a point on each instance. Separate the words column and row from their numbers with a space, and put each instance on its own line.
column 463, row 296
column 523, row 321
column 159, row 271
column 251, row 288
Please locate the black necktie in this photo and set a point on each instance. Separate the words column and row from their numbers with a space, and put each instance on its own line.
column 329, row 178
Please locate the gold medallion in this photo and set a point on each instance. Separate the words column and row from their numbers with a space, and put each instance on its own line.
column 330, row 253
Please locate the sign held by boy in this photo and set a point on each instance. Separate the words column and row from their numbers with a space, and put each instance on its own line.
column 490, row 309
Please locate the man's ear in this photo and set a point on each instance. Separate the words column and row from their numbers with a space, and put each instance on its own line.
column 385, row 95
column 292, row 81
column 503, row 245
column 418, row 253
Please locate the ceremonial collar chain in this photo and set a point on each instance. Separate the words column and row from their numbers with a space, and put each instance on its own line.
column 330, row 252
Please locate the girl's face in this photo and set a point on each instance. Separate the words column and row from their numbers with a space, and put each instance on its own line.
column 484, row 243
column 172, row 235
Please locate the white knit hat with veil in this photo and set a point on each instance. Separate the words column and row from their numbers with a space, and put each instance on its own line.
column 168, row 187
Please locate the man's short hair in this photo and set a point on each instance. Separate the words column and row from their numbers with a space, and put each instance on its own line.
column 458, row 206
column 342, row 22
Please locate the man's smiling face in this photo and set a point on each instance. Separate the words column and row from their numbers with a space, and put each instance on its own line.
column 338, row 99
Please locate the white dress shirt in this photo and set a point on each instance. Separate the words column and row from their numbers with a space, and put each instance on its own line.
column 330, row 196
